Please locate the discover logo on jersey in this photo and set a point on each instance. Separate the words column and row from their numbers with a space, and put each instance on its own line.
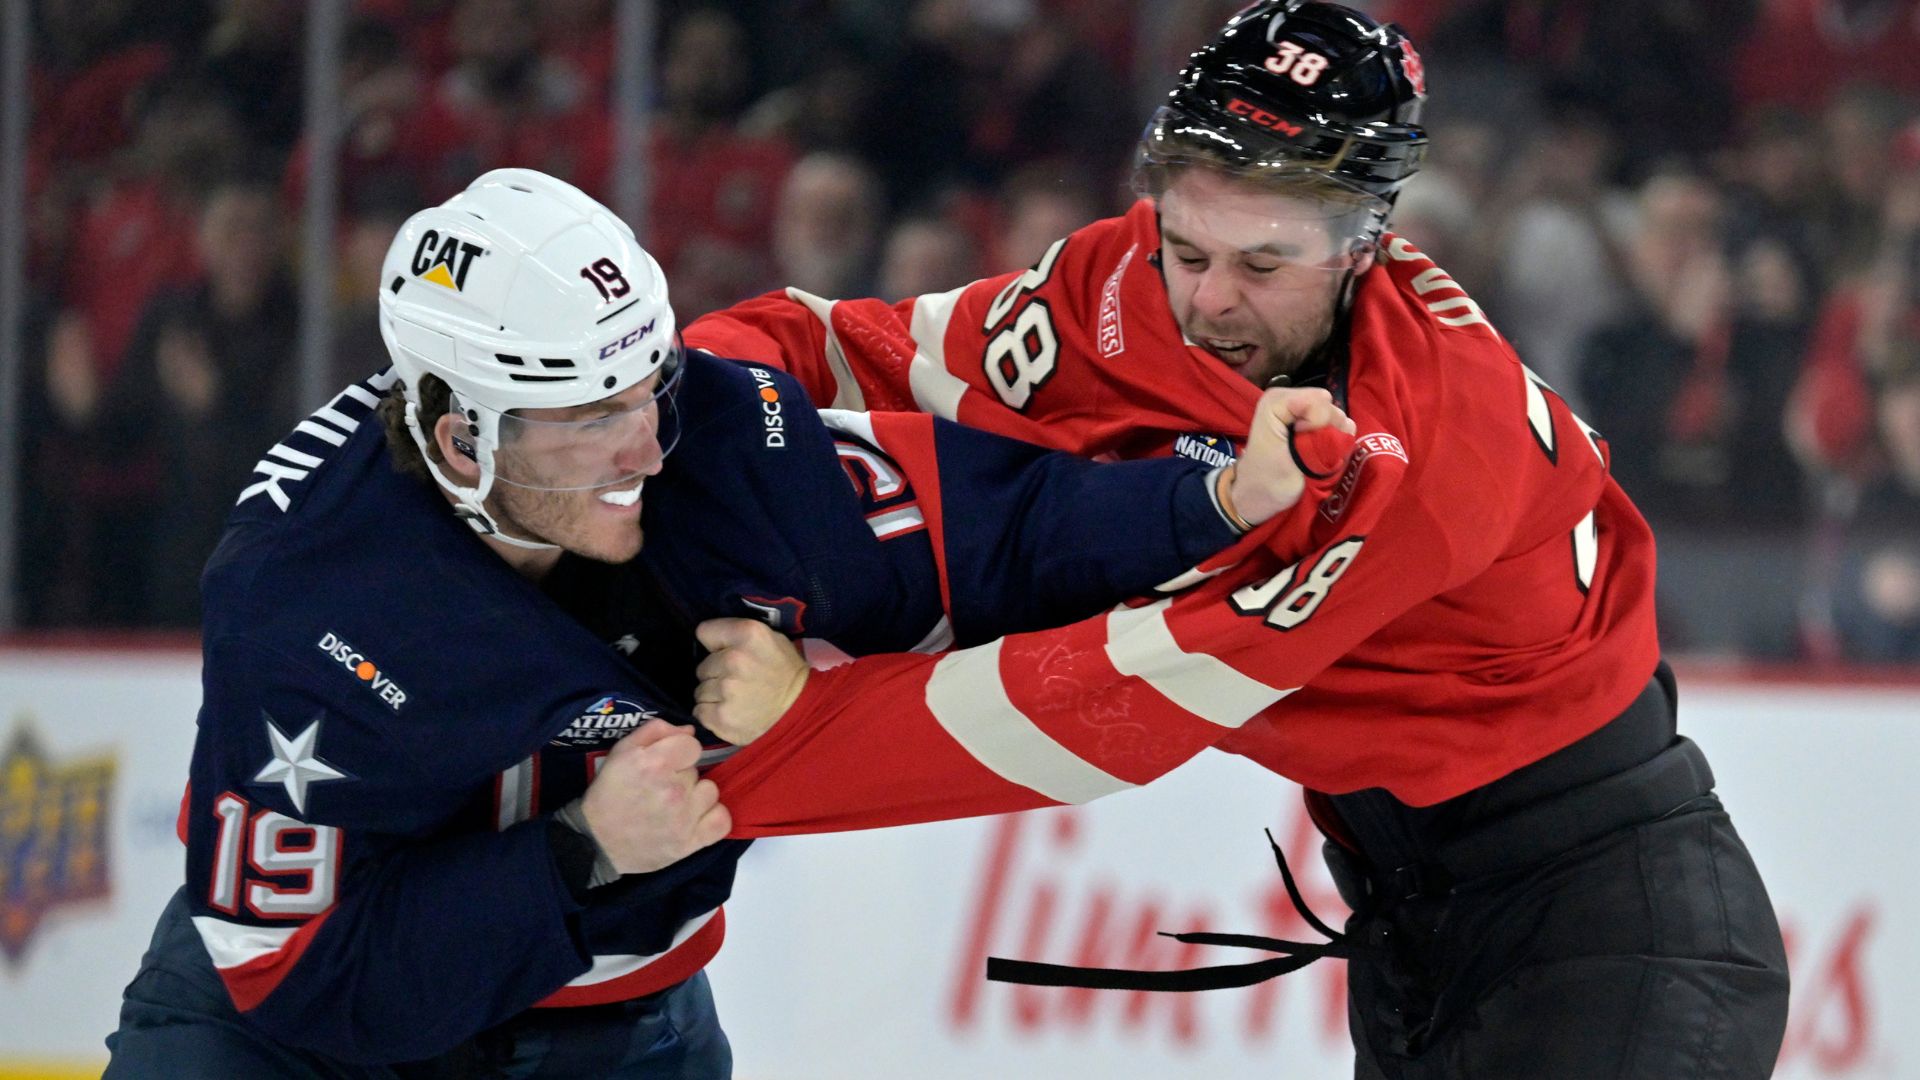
column 363, row 669
column 770, row 405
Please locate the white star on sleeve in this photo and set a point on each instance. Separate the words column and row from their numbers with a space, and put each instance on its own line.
column 296, row 762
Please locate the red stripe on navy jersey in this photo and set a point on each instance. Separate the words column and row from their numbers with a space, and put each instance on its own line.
column 251, row 982
column 672, row 967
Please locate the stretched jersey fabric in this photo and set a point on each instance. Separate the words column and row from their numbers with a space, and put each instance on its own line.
column 389, row 709
column 1041, row 538
column 1488, row 601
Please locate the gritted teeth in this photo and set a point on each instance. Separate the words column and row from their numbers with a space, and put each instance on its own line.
column 623, row 498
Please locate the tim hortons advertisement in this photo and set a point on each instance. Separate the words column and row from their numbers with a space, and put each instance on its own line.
column 863, row 955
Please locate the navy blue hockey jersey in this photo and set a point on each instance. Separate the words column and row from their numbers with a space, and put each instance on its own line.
column 389, row 709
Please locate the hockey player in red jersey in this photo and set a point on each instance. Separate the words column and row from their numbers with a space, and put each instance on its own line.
column 1455, row 652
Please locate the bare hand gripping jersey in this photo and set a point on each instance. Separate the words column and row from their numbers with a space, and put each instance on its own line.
column 389, row 709
column 1479, row 595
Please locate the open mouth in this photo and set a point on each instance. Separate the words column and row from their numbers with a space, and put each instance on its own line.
column 1236, row 353
column 623, row 498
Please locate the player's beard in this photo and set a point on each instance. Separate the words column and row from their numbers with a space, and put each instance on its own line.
column 1279, row 346
column 1279, row 350
column 572, row 520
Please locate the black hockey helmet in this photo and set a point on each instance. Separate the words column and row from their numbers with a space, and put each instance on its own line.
column 1299, row 86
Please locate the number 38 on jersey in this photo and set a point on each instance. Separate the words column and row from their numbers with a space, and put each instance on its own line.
column 1290, row 597
column 1021, row 355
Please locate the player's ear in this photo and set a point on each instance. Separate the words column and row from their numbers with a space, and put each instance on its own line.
column 456, row 448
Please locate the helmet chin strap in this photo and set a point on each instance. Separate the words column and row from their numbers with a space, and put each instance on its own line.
column 1343, row 301
column 469, row 502
column 1343, row 298
column 1342, row 313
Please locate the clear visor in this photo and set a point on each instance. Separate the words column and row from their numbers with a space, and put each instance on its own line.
column 1288, row 219
column 609, row 443
column 1288, row 236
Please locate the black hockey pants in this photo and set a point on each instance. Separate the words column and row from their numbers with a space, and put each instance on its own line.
column 1591, row 915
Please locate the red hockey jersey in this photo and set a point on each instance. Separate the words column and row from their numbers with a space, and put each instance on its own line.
column 1476, row 592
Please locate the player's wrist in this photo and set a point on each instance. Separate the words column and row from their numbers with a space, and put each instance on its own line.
column 600, row 869
column 1223, row 480
column 1254, row 499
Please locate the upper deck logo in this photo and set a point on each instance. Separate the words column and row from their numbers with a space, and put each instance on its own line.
column 54, row 817
column 605, row 721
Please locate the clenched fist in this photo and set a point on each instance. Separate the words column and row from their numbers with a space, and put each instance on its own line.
column 1267, row 479
column 752, row 677
column 647, row 808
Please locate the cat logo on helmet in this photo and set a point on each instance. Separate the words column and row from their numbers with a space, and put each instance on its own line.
column 444, row 262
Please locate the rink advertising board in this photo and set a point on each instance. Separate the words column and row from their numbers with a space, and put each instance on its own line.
column 861, row 955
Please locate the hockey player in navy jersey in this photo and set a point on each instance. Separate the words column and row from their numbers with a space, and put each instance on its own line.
column 441, row 820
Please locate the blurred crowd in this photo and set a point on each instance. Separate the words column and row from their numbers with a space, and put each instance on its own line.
column 1699, row 220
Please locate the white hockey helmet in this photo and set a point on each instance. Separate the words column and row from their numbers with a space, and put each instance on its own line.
column 523, row 292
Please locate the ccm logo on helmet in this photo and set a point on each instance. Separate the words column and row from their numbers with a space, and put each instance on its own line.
column 770, row 408
column 628, row 342
column 1262, row 117
column 364, row 670
column 444, row 262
